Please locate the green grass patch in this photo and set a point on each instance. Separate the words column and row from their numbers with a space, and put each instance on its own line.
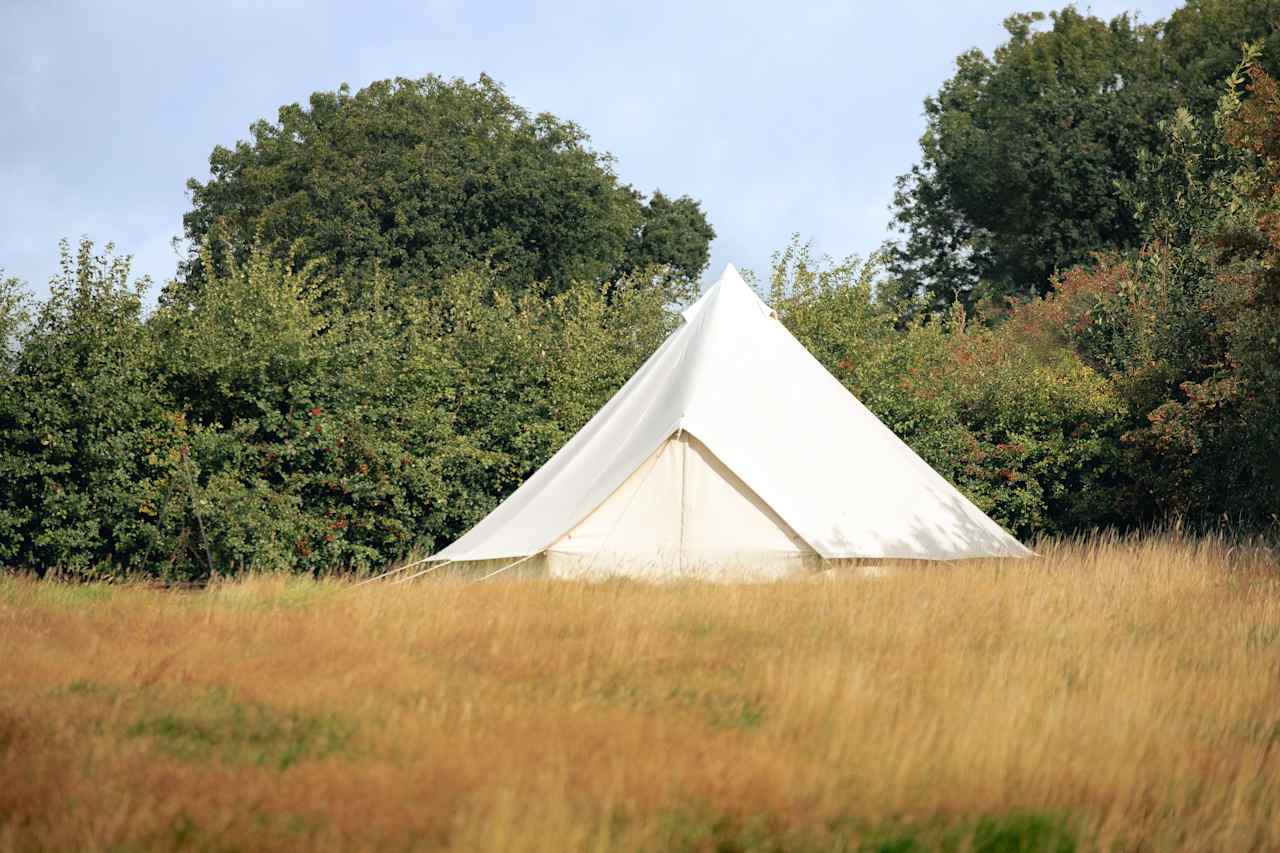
column 1015, row 832
column 722, row 710
column 185, row 832
column 15, row 591
column 219, row 728
column 86, row 687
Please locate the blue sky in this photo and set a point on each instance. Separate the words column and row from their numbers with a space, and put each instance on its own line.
column 779, row 117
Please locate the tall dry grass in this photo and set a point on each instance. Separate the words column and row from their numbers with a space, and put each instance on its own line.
column 1112, row 694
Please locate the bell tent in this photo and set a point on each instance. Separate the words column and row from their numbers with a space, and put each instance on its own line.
column 730, row 455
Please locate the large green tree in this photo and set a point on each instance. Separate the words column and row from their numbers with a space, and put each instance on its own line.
column 1025, row 151
column 422, row 178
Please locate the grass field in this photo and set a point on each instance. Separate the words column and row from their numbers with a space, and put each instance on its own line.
column 1113, row 695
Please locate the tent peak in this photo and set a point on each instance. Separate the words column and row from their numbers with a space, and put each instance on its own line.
column 731, row 279
column 736, row 290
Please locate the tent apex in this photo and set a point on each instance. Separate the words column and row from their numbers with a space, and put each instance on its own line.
column 732, row 278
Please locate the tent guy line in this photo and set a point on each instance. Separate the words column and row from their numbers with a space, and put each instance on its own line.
column 394, row 571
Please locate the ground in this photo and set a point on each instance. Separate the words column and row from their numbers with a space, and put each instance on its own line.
column 1114, row 694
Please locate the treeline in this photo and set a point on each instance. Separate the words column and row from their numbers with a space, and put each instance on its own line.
column 269, row 421
column 401, row 302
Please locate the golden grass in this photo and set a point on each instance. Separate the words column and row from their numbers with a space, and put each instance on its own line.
column 1114, row 694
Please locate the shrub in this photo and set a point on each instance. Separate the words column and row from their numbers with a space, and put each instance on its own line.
column 82, row 429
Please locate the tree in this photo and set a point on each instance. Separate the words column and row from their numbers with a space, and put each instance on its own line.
column 673, row 233
column 1184, row 329
column 12, row 320
column 83, row 428
column 13, row 316
column 422, row 178
column 1024, row 150
column 1203, row 39
column 1210, row 269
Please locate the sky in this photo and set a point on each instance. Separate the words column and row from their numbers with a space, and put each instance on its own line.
column 780, row 117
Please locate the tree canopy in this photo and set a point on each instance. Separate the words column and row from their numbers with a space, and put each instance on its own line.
column 1024, row 151
column 423, row 178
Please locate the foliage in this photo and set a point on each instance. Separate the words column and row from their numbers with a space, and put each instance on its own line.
column 13, row 316
column 1202, row 39
column 1187, row 328
column 1023, row 150
column 298, row 424
column 81, row 424
column 12, row 320
column 254, row 425
column 1167, row 340
column 424, row 178
column 673, row 235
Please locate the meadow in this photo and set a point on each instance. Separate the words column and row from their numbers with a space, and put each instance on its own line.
column 1116, row 693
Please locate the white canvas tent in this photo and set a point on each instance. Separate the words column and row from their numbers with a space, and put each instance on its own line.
column 731, row 454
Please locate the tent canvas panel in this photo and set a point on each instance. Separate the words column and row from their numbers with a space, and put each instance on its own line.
column 681, row 514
